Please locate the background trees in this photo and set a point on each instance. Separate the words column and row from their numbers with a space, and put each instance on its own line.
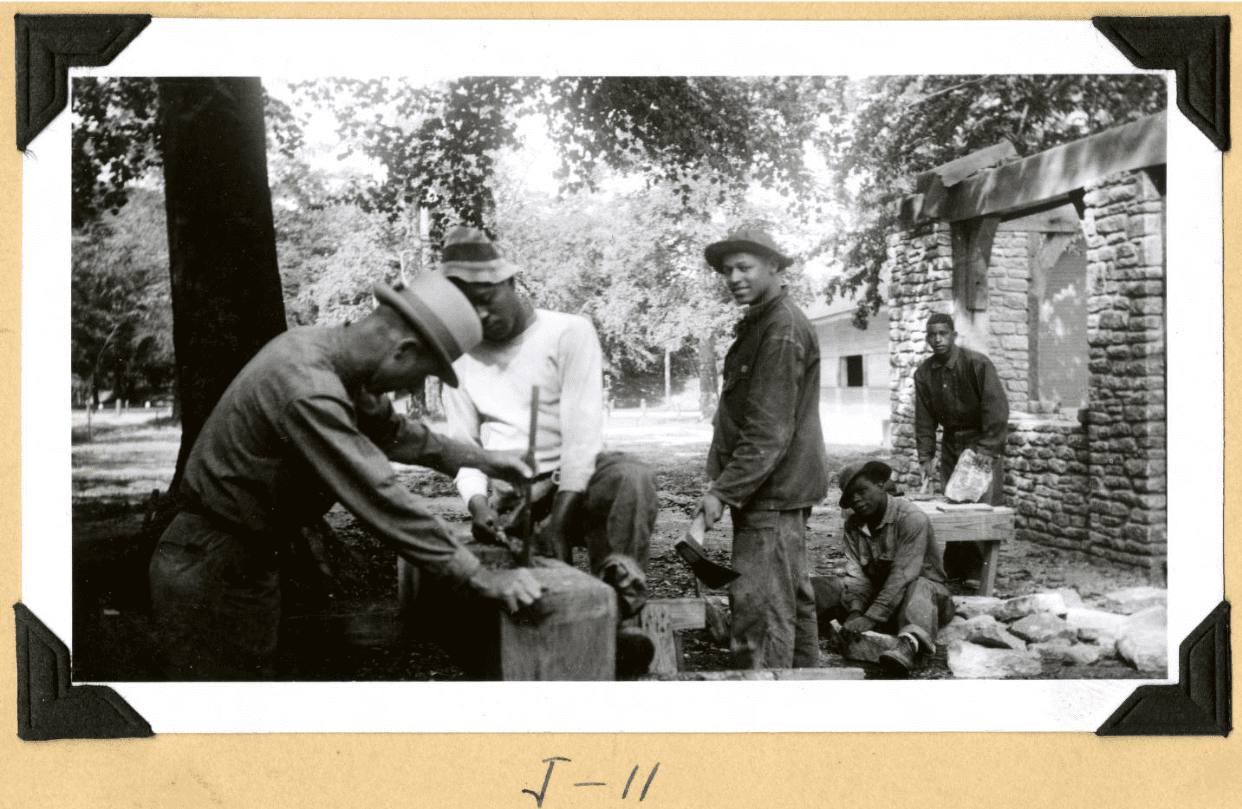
column 891, row 128
column 644, row 171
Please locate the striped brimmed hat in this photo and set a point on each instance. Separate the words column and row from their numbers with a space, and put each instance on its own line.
column 440, row 313
column 469, row 255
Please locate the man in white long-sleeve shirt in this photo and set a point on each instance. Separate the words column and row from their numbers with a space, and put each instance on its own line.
column 583, row 495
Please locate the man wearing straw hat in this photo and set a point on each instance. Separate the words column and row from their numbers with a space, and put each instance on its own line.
column 767, row 460
column 582, row 494
column 305, row 424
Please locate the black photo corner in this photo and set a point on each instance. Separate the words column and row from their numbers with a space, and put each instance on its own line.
column 50, row 707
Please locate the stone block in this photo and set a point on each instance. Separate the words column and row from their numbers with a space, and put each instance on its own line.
column 1093, row 624
column 1042, row 627
column 987, row 631
column 970, row 606
column 1136, row 599
column 953, row 631
column 1143, row 640
column 1022, row 606
column 1083, row 654
column 1070, row 596
column 1054, row 650
column 972, row 661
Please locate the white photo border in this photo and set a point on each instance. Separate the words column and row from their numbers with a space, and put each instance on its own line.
column 291, row 49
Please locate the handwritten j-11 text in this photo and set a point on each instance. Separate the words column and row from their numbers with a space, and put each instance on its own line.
column 625, row 792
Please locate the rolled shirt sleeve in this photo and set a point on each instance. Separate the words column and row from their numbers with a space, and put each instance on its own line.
column 771, row 417
column 358, row 474
column 910, row 537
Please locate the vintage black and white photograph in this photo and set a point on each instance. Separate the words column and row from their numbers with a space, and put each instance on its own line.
column 800, row 376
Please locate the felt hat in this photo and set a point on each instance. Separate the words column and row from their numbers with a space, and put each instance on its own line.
column 469, row 255
column 441, row 315
column 746, row 240
column 878, row 471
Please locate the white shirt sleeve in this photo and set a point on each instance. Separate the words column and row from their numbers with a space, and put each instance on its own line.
column 582, row 404
column 463, row 424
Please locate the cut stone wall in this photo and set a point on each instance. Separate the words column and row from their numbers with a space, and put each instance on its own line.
column 1046, row 480
column 1124, row 226
column 1008, row 343
column 920, row 266
column 1095, row 484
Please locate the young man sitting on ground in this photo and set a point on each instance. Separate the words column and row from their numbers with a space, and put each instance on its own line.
column 894, row 577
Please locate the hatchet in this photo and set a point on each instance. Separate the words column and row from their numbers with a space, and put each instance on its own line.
column 690, row 549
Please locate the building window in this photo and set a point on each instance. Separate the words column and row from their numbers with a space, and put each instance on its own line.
column 852, row 370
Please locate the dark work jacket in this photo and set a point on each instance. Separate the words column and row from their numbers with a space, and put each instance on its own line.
column 965, row 396
column 768, row 449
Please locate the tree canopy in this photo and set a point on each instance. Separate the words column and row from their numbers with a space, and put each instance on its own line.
column 648, row 170
column 895, row 127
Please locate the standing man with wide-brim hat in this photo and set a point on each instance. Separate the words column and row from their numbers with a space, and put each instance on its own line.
column 767, row 459
column 305, row 424
column 583, row 494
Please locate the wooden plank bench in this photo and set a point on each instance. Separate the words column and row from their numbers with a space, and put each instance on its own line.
column 990, row 528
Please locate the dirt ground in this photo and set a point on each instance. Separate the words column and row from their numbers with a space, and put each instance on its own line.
column 132, row 454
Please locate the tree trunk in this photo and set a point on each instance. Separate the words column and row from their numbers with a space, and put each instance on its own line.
column 226, row 293
column 668, row 378
column 708, row 378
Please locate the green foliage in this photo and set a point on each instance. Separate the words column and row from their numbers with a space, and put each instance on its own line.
column 895, row 127
column 121, row 313
column 437, row 144
column 115, row 141
column 632, row 263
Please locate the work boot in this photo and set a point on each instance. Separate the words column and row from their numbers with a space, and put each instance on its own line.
column 635, row 652
column 899, row 662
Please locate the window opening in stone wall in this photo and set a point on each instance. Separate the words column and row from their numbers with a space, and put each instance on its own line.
column 853, row 368
column 1057, row 325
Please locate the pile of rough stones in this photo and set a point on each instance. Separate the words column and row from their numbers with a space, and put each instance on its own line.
column 995, row 638
column 991, row 637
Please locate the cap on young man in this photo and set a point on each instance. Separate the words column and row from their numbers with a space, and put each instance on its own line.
column 469, row 255
column 746, row 240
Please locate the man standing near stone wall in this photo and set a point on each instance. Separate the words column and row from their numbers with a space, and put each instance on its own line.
column 958, row 389
column 767, row 457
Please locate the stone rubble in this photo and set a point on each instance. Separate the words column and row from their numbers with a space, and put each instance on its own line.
column 1041, row 627
column 970, row 606
column 1023, row 606
column 1136, row 599
column 1144, row 640
column 1000, row 638
column 985, row 630
column 972, row 661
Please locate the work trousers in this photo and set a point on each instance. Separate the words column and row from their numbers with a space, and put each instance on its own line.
column 615, row 523
column 772, row 604
column 215, row 597
column 925, row 606
column 964, row 560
